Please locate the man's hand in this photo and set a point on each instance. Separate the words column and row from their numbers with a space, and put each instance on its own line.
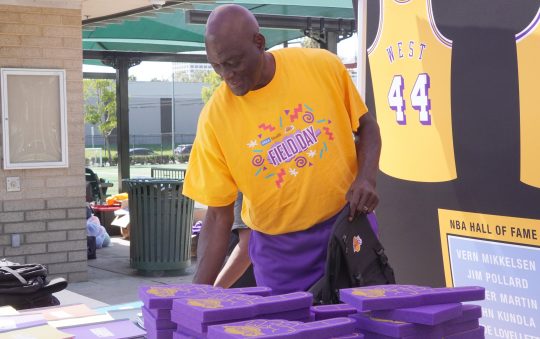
column 213, row 243
column 362, row 196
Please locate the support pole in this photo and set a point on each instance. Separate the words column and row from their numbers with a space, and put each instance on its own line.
column 122, row 66
column 331, row 42
column 362, row 54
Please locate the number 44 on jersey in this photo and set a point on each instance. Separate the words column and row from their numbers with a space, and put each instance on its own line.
column 419, row 97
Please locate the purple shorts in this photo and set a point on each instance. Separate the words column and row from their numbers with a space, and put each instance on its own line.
column 294, row 261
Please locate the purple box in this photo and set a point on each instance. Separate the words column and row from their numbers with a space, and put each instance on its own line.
column 264, row 328
column 159, row 334
column 477, row 333
column 284, row 302
column 469, row 325
column 470, row 312
column 427, row 315
column 157, row 324
column 384, row 297
column 189, row 326
column 182, row 332
column 226, row 306
column 161, row 296
column 327, row 328
column 447, row 295
column 371, row 335
column 402, row 330
column 299, row 314
column 215, row 307
column 435, row 334
column 198, row 327
column 391, row 328
column 159, row 313
column 180, row 335
column 255, row 290
column 322, row 312
column 351, row 336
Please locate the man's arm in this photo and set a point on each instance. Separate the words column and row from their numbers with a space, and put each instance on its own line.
column 213, row 243
column 238, row 261
column 362, row 196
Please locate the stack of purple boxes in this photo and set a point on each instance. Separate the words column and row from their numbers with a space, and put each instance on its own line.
column 341, row 328
column 202, row 311
column 322, row 312
column 408, row 311
column 158, row 302
column 374, row 312
column 195, row 314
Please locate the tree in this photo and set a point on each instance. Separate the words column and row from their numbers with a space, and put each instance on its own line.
column 100, row 107
column 213, row 80
column 195, row 76
column 308, row 42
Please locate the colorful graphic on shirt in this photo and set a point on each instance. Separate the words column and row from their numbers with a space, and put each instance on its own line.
column 410, row 65
column 287, row 146
column 528, row 52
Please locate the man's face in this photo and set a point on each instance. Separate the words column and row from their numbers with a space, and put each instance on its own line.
column 238, row 63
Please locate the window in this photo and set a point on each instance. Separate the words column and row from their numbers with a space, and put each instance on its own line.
column 34, row 118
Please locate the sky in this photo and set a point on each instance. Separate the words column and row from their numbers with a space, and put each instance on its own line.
column 146, row 71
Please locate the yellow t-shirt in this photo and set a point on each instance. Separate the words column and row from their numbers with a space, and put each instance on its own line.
column 288, row 147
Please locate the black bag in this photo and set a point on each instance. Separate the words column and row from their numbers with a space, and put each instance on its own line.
column 91, row 247
column 25, row 285
column 355, row 258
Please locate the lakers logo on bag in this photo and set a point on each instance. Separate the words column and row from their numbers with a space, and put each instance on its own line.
column 357, row 243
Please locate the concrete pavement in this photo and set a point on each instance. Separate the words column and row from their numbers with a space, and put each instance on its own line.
column 111, row 280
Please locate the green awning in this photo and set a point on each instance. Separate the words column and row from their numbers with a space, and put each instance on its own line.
column 166, row 30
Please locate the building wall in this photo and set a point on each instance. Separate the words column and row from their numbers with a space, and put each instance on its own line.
column 145, row 115
column 144, row 106
column 49, row 210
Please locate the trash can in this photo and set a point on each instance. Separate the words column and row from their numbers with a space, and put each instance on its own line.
column 161, row 219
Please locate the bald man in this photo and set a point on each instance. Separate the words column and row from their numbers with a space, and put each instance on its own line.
column 280, row 130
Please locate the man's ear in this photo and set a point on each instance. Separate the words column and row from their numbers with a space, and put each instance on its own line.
column 260, row 41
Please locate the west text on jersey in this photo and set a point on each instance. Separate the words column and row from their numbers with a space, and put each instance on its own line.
column 410, row 50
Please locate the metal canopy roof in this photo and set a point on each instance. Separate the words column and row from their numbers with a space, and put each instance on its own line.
column 167, row 30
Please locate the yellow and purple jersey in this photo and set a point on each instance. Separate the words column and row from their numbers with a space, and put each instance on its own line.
column 528, row 54
column 410, row 65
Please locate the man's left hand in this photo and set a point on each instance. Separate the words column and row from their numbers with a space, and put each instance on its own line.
column 362, row 197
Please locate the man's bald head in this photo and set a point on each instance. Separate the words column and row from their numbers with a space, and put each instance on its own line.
column 231, row 22
column 236, row 49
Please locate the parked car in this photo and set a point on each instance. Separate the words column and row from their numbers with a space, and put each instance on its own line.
column 182, row 152
column 140, row 151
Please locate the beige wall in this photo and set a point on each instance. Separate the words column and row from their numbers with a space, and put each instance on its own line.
column 49, row 211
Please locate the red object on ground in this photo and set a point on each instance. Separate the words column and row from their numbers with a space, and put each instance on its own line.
column 105, row 208
column 105, row 213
